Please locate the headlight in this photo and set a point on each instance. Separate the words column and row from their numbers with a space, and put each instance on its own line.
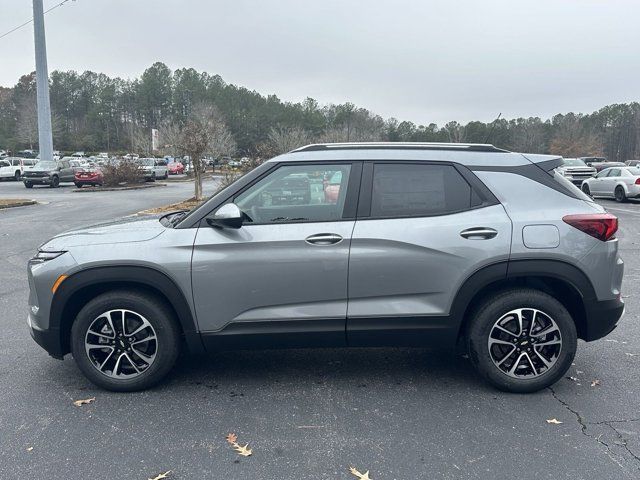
column 44, row 256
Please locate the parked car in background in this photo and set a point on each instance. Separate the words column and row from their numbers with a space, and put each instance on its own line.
column 632, row 163
column 575, row 170
column 88, row 176
column 153, row 168
column 620, row 183
column 600, row 163
column 78, row 164
column 175, row 168
column 27, row 153
column 3, row 154
column 78, row 154
column 14, row 167
column 234, row 164
column 331, row 186
column 48, row 172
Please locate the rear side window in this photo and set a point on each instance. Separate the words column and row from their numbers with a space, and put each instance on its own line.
column 419, row 190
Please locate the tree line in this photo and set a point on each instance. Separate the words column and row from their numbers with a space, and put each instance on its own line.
column 94, row 112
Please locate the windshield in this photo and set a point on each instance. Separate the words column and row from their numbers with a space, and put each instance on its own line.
column 574, row 162
column 46, row 165
column 145, row 161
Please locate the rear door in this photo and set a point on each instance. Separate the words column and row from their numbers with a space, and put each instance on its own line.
column 422, row 230
column 280, row 279
column 610, row 181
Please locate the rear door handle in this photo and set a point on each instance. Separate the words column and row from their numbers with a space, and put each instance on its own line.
column 478, row 233
column 323, row 239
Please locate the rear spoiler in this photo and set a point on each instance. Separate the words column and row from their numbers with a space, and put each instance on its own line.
column 545, row 162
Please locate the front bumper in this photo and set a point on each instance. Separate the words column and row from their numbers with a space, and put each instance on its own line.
column 48, row 339
column 37, row 180
column 602, row 318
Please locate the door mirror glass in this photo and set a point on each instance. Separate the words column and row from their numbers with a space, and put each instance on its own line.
column 227, row 216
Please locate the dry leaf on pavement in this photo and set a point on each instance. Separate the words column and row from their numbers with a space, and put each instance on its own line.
column 79, row 403
column 595, row 383
column 361, row 476
column 162, row 475
column 29, row 449
column 232, row 438
column 554, row 421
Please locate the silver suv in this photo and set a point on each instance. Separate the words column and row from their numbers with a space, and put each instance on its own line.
column 431, row 245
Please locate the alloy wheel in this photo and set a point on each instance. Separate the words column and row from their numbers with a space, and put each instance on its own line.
column 525, row 343
column 121, row 344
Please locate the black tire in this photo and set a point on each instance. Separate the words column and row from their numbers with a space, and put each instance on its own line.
column 620, row 195
column 494, row 308
column 586, row 190
column 17, row 176
column 55, row 182
column 78, row 185
column 28, row 184
column 158, row 314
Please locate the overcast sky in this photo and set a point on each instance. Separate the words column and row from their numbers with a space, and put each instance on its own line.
column 422, row 60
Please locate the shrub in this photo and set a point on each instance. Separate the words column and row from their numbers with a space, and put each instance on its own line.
column 122, row 173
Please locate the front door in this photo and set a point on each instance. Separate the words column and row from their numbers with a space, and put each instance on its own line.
column 280, row 279
column 424, row 230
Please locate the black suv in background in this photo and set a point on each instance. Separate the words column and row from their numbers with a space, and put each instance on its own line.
column 48, row 172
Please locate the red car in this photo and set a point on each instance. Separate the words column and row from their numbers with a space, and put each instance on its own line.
column 88, row 176
column 332, row 187
column 175, row 168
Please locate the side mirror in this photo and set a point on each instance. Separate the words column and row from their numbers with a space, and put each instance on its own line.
column 227, row 216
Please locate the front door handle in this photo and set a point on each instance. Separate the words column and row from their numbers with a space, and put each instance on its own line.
column 323, row 239
column 478, row 233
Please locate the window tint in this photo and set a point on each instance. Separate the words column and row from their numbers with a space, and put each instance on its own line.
column 603, row 174
column 403, row 190
column 297, row 193
column 614, row 172
column 4, row 163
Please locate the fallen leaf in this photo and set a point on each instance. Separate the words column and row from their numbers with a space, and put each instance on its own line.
column 232, row 439
column 162, row 475
column 578, row 372
column 611, row 340
column 554, row 421
column 361, row 476
column 29, row 449
column 244, row 451
column 595, row 383
column 79, row 403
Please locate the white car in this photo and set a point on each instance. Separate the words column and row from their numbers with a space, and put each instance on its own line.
column 620, row 183
column 14, row 167
column 154, row 168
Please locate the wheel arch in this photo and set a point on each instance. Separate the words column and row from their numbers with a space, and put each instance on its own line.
column 86, row 284
column 563, row 281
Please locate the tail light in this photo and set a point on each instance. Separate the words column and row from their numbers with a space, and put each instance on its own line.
column 637, row 181
column 599, row 225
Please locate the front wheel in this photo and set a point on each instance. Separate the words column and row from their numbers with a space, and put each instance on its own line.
column 125, row 341
column 28, row 184
column 55, row 182
column 17, row 176
column 522, row 340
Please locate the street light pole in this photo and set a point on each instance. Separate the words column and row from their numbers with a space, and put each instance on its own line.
column 45, row 136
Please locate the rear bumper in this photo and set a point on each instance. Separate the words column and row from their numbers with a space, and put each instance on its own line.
column 602, row 317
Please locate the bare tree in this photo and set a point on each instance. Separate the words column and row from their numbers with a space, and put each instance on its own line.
column 284, row 139
column 573, row 140
column 203, row 132
column 141, row 140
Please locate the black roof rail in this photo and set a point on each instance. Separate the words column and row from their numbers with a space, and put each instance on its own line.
column 463, row 147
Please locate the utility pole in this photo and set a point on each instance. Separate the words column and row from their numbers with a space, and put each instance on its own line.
column 45, row 135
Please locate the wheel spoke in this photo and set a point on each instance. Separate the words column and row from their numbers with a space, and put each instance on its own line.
column 138, row 330
column 143, row 340
column 92, row 332
column 115, row 368
column 550, row 342
column 124, row 323
column 533, row 322
column 519, row 316
column 513, row 349
column 135, row 367
column 493, row 341
column 516, row 363
column 506, row 331
column 535, row 372
column 546, row 331
column 546, row 362
column 107, row 359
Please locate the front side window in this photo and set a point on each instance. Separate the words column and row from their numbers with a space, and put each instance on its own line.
column 419, row 190
column 297, row 193
column 603, row 173
column 614, row 172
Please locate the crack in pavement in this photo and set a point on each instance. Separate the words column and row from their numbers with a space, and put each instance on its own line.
column 623, row 442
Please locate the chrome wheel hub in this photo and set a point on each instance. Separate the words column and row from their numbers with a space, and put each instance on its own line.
column 525, row 343
column 121, row 344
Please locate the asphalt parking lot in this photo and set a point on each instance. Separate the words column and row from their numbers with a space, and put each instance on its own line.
column 399, row 413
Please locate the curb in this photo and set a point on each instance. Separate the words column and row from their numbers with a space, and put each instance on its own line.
column 23, row 203
column 118, row 189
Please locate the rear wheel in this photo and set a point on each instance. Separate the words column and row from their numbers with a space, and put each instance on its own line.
column 522, row 340
column 125, row 341
column 620, row 195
